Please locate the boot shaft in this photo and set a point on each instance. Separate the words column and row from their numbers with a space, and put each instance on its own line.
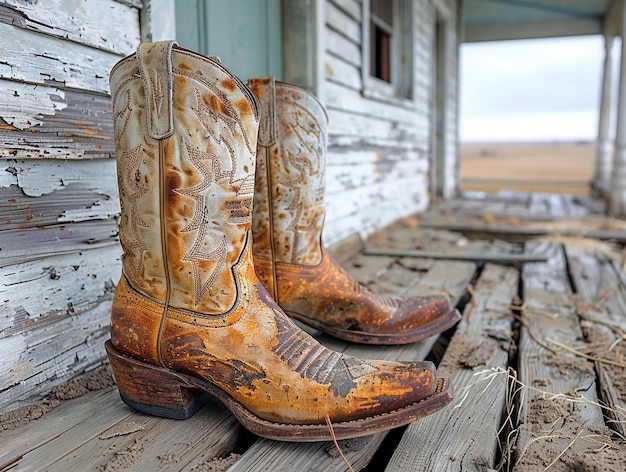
column 185, row 132
column 290, row 184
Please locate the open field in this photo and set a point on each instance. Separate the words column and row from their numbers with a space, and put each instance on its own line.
column 536, row 167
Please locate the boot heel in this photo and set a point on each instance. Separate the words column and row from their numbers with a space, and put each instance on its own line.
column 152, row 389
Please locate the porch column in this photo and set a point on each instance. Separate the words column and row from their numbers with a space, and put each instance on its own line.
column 604, row 145
column 617, row 198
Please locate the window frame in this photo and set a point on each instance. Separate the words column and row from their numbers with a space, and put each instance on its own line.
column 400, row 90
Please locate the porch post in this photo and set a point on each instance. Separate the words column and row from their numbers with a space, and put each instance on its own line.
column 604, row 145
column 617, row 198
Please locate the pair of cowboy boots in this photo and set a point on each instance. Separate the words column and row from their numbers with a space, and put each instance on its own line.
column 190, row 316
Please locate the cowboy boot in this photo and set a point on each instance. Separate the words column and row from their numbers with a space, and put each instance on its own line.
column 189, row 316
column 289, row 256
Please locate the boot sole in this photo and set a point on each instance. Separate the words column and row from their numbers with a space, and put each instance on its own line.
column 163, row 392
column 434, row 327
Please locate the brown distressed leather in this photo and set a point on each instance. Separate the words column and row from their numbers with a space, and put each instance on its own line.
column 289, row 255
column 189, row 314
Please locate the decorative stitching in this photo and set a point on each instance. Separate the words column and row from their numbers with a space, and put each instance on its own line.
column 195, row 256
column 131, row 191
column 307, row 164
column 123, row 115
column 315, row 362
column 201, row 108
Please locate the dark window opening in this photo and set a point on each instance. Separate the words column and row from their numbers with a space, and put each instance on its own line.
column 381, row 54
column 381, row 28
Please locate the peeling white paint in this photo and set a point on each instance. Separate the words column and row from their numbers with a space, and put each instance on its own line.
column 23, row 106
column 56, row 58
column 105, row 24
column 58, row 284
column 37, row 177
column 27, row 57
column 19, row 372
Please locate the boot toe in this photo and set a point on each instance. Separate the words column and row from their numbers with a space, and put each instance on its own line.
column 401, row 384
column 419, row 311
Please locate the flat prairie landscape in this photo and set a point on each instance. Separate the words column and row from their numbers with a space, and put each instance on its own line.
column 557, row 167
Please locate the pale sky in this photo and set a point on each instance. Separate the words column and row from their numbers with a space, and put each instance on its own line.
column 531, row 90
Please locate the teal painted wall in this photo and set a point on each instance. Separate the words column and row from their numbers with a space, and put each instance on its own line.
column 245, row 34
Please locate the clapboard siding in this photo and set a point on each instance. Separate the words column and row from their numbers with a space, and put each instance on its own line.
column 342, row 72
column 365, row 221
column 107, row 25
column 36, row 58
column 340, row 98
column 360, row 197
column 371, row 127
column 349, row 177
column 370, row 196
column 351, row 8
column 49, row 354
column 59, row 251
column 50, row 206
column 49, row 122
column 59, row 285
column 343, row 23
column 347, row 50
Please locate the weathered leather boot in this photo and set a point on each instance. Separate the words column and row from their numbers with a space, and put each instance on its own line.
column 289, row 256
column 189, row 315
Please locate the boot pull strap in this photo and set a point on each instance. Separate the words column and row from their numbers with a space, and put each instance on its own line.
column 155, row 67
column 265, row 90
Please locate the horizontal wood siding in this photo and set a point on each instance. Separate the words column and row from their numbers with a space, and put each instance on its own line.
column 59, row 251
column 379, row 150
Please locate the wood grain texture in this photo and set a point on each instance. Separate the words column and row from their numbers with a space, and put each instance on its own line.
column 106, row 24
column 550, row 313
column 34, row 58
column 56, row 349
column 59, row 255
column 602, row 293
column 60, row 286
column 50, row 207
column 46, row 122
column 161, row 444
column 440, row 441
column 18, row 443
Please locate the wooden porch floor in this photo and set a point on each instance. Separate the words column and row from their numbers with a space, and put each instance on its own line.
column 537, row 363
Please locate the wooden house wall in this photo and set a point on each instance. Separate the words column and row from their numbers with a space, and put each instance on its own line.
column 59, row 251
column 379, row 153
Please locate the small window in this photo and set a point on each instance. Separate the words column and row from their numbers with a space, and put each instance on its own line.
column 387, row 66
column 381, row 31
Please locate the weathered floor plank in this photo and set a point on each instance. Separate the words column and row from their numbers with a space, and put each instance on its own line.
column 20, row 448
column 603, row 307
column 553, row 426
column 476, row 362
column 155, row 443
column 267, row 455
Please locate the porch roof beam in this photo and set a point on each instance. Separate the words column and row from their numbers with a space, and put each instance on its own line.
column 529, row 30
